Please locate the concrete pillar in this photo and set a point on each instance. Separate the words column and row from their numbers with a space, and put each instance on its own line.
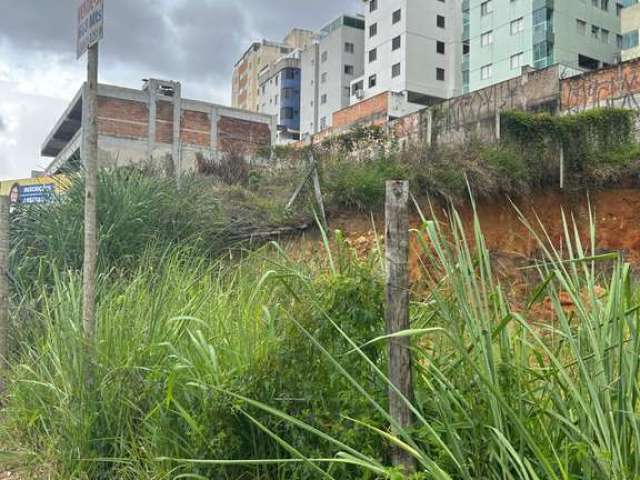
column 176, row 150
column 152, row 89
column 429, row 126
column 498, row 125
column 214, row 115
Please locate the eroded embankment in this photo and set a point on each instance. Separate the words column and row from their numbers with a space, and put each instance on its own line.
column 616, row 214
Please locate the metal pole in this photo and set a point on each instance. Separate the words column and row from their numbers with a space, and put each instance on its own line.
column 397, row 312
column 4, row 280
column 90, row 158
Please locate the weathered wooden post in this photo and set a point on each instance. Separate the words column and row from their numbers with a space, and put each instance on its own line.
column 561, row 167
column 4, row 280
column 397, row 311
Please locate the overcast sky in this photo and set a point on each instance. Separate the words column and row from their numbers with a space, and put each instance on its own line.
column 193, row 41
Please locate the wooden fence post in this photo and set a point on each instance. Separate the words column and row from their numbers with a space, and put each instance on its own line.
column 4, row 280
column 397, row 311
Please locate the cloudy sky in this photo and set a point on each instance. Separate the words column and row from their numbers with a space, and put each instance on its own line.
column 194, row 41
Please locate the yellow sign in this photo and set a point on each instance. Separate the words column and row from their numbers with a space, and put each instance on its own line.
column 34, row 190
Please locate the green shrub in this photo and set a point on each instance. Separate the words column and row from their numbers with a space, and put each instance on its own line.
column 359, row 185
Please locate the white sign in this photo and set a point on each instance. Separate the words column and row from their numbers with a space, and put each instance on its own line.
column 90, row 20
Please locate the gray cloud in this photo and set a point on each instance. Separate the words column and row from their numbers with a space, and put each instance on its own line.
column 3, row 125
column 199, row 39
column 194, row 41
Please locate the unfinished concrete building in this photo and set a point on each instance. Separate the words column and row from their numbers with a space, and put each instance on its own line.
column 157, row 127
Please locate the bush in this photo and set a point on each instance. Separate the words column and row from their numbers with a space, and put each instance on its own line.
column 359, row 185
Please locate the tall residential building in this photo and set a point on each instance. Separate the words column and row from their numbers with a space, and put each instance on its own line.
column 280, row 95
column 412, row 47
column 505, row 35
column 630, row 20
column 328, row 67
column 245, row 93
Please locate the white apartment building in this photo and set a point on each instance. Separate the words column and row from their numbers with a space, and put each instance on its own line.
column 506, row 35
column 328, row 67
column 413, row 47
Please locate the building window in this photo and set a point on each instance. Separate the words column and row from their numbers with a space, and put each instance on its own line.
column 395, row 70
column 486, row 38
column 348, row 69
column 440, row 47
column 373, row 5
column 373, row 55
column 323, row 123
column 440, row 21
column 604, row 5
column 631, row 39
column 373, row 30
column 486, row 7
column 516, row 60
column 324, row 56
column 372, row 81
column 396, row 16
column 581, row 27
column 349, row 47
column 619, row 41
column 356, row 87
column 595, row 32
column 323, row 77
column 395, row 43
column 323, row 99
column 486, row 72
column 440, row 74
column 517, row 25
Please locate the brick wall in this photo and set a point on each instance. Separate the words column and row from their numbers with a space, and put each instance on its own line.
column 242, row 136
column 128, row 119
column 617, row 86
column 370, row 111
column 122, row 118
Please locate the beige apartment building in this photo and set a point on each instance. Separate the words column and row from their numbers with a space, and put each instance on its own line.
column 245, row 92
column 630, row 20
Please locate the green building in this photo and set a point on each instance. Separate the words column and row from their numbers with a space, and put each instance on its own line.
column 502, row 36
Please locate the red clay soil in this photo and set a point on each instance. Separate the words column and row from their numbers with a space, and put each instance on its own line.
column 616, row 214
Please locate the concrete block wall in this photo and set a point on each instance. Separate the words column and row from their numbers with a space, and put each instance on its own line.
column 205, row 129
column 616, row 86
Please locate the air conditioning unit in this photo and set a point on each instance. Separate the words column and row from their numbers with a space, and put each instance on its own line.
column 360, row 94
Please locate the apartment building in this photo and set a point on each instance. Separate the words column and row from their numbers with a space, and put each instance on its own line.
column 280, row 95
column 245, row 84
column 328, row 67
column 630, row 21
column 502, row 36
column 412, row 47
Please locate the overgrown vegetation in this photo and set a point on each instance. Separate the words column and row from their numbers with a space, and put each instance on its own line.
column 213, row 362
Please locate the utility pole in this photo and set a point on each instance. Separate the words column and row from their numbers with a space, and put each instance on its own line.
column 397, row 313
column 90, row 158
column 90, row 17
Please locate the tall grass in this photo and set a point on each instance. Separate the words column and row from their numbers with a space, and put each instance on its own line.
column 271, row 368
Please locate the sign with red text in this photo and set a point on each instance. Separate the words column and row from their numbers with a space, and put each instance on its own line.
column 90, row 21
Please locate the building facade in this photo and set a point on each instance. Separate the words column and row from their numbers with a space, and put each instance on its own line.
column 630, row 21
column 155, row 126
column 245, row 83
column 412, row 47
column 280, row 95
column 505, row 35
column 328, row 67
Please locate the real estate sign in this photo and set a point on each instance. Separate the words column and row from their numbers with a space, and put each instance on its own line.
column 90, row 22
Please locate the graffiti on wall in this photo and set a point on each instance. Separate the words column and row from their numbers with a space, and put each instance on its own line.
column 617, row 86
